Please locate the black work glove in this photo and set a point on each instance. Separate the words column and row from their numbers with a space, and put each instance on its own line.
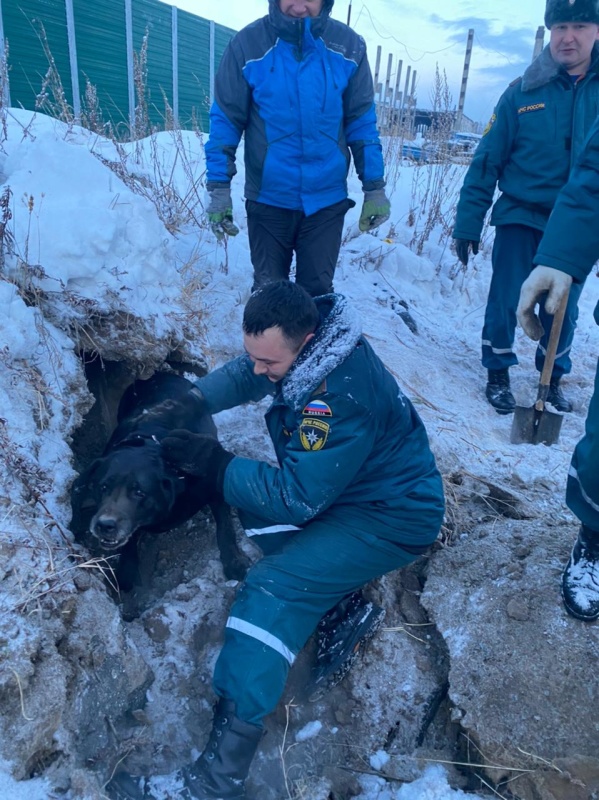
column 461, row 249
column 197, row 454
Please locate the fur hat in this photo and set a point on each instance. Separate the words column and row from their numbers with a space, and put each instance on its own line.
column 571, row 11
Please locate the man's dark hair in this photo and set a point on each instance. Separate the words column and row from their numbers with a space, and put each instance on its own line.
column 284, row 305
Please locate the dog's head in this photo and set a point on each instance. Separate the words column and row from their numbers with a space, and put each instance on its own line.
column 130, row 488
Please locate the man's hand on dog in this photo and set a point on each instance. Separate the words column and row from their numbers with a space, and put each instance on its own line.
column 197, row 454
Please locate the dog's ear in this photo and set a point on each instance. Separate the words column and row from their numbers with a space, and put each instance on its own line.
column 81, row 497
column 91, row 473
column 86, row 480
column 172, row 487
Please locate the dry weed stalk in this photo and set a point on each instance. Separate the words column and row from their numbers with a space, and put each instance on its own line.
column 7, row 240
column 3, row 94
column 18, row 679
column 434, row 189
column 51, row 99
column 284, row 749
column 140, row 79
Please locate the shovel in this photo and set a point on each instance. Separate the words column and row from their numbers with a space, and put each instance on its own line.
column 539, row 425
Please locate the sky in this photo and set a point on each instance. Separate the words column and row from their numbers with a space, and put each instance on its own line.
column 426, row 34
column 98, row 245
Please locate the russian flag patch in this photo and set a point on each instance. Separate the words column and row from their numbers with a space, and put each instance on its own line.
column 317, row 408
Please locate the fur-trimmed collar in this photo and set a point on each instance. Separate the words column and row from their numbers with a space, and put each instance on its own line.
column 335, row 339
column 544, row 69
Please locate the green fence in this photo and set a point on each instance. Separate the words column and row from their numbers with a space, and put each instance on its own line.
column 141, row 59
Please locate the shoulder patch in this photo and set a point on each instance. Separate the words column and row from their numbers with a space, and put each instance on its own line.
column 489, row 124
column 313, row 433
column 532, row 107
column 317, row 408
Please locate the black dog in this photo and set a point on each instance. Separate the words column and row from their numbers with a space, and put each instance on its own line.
column 131, row 488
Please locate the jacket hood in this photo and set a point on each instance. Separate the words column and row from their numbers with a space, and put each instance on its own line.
column 292, row 29
column 544, row 68
column 334, row 340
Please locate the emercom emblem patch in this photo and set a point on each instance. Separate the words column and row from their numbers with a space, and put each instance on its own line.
column 489, row 124
column 313, row 433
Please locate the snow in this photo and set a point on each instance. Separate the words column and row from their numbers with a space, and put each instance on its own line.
column 36, row 789
column 85, row 237
column 309, row 731
column 431, row 786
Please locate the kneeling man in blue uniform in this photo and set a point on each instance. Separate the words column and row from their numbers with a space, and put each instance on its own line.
column 356, row 494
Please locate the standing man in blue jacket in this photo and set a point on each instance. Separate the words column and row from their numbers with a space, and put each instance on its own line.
column 531, row 142
column 568, row 250
column 356, row 494
column 298, row 85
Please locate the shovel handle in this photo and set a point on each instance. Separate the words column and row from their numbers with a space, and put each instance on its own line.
column 556, row 329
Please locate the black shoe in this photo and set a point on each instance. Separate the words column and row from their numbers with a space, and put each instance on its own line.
column 580, row 581
column 221, row 770
column 556, row 397
column 498, row 391
column 341, row 636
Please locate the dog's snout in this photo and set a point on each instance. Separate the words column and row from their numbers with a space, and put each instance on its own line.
column 106, row 530
column 106, row 526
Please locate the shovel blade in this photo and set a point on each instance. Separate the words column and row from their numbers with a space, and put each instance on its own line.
column 530, row 426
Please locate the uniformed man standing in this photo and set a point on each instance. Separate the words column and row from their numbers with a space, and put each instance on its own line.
column 531, row 142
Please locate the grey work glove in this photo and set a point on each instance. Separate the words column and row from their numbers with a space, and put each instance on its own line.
column 220, row 213
column 461, row 249
column 375, row 211
column 542, row 280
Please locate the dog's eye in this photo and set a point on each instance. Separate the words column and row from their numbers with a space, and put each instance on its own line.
column 139, row 493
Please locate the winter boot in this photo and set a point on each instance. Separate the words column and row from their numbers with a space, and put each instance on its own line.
column 498, row 391
column 221, row 770
column 580, row 581
column 218, row 774
column 556, row 398
column 342, row 634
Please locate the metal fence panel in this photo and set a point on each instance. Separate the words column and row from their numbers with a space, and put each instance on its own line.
column 22, row 22
column 156, row 19
column 194, row 70
column 102, row 57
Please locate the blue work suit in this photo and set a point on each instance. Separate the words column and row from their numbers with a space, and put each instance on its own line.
column 356, row 494
column 531, row 143
column 571, row 244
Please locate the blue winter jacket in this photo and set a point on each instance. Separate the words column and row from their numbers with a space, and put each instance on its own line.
column 533, row 139
column 344, row 436
column 301, row 90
